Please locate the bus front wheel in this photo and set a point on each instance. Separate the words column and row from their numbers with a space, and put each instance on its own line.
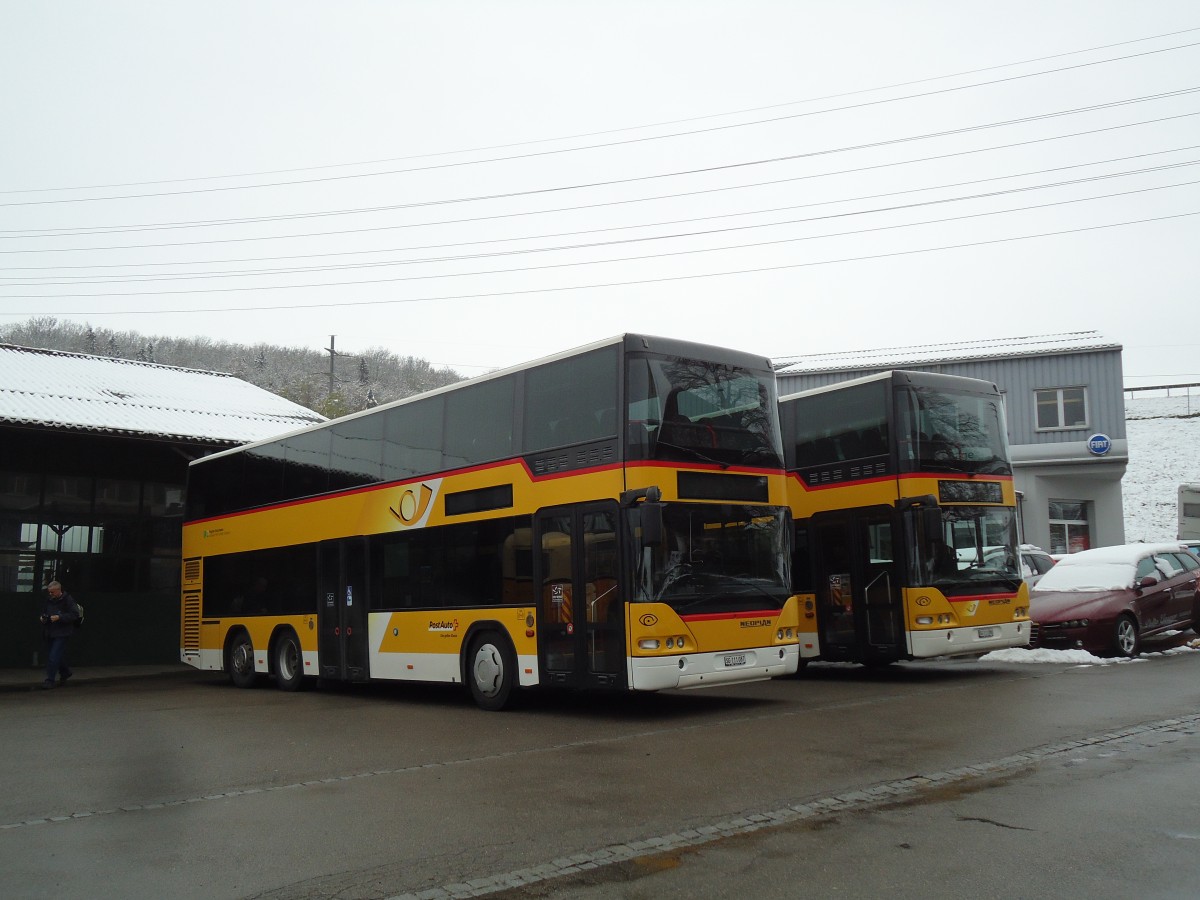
column 239, row 661
column 289, row 663
column 491, row 671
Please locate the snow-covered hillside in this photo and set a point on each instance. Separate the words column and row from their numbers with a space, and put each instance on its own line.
column 1164, row 450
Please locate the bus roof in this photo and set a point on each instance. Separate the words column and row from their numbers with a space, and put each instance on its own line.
column 630, row 340
column 904, row 376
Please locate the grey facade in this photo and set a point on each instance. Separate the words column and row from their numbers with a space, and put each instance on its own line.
column 1063, row 397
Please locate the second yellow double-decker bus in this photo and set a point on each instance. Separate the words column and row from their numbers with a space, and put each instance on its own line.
column 902, row 494
column 613, row 517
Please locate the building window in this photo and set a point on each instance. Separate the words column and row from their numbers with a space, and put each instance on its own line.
column 1069, row 528
column 1061, row 408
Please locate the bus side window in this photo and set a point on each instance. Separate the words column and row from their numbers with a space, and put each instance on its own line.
column 608, row 422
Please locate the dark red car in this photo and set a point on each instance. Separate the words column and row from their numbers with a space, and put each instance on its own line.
column 1106, row 600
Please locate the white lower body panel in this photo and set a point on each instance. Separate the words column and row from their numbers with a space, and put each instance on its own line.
column 975, row 639
column 697, row 670
column 437, row 667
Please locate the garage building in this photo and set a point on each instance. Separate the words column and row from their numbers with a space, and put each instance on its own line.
column 93, row 460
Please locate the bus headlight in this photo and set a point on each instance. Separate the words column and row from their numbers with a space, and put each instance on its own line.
column 648, row 644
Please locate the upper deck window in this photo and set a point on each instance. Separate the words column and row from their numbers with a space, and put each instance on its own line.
column 700, row 410
column 571, row 401
column 952, row 431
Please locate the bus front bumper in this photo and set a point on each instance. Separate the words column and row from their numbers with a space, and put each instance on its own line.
column 699, row 670
column 973, row 639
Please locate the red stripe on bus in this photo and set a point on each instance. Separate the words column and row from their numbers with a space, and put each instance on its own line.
column 909, row 476
column 708, row 617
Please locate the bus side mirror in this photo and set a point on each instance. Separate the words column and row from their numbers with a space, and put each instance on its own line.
column 931, row 520
column 652, row 522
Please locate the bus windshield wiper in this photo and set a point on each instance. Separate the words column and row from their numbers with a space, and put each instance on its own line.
column 696, row 453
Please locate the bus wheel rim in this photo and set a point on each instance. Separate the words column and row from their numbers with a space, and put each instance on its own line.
column 243, row 658
column 488, row 669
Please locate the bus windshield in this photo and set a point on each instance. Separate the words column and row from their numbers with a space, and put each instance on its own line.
column 698, row 410
column 717, row 558
column 951, row 431
column 974, row 550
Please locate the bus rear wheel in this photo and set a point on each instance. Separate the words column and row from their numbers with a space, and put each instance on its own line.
column 491, row 671
column 289, row 663
column 239, row 661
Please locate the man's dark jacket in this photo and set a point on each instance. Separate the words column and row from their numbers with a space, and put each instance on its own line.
column 64, row 607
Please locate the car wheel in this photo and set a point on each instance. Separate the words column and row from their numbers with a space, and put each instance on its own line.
column 1125, row 637
column 491, row 671
column 239, row 661
column 289, row 663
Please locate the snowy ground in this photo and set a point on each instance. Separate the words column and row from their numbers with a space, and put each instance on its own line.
column 1164, row 451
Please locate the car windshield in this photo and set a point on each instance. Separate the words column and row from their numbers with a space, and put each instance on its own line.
column 1092, row 576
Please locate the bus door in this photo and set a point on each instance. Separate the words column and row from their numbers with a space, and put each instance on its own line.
column 859, row 605
column 581, row 630
column 342, row 611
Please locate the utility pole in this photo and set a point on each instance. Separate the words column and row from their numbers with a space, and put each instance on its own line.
column 333, row 355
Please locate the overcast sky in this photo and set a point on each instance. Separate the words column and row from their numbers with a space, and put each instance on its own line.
column 483, row 183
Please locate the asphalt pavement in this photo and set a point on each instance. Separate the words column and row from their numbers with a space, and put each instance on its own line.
column 30, row 679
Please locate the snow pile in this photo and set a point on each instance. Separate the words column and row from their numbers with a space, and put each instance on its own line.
column 1021, row 655
column 1080, row 657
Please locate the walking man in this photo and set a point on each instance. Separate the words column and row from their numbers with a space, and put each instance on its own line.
column 59, row 615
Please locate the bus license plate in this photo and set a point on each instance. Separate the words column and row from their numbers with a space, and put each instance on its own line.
column 986, row 632
column 735, row 659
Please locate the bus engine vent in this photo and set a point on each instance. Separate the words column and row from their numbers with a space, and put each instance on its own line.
column 839, row 472
column 190, row 636
column 191, row 571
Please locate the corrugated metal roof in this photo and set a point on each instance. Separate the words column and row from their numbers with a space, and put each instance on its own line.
column 995, row 348
column 52, row 389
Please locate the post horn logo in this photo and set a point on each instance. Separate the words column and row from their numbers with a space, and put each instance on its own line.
column 649, row 619
column 413, row 504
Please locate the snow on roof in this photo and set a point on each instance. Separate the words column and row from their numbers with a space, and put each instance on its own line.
column 52, row 389
column 995, row 348
column 1122, row 554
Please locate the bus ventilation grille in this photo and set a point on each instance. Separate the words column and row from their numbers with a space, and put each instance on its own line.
column 191, row 571
column 191, row 625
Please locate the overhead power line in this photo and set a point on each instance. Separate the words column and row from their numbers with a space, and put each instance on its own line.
column 41, row 233
column 796, row 178
column 626, row 259
column 340, row 253
column 32, row 280
column 558, row 290
column 544, row 153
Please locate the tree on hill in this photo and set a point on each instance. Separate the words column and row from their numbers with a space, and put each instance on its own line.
column 298, row 374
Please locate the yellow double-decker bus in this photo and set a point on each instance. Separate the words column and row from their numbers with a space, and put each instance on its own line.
column 611, row 517
column 901, row 492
